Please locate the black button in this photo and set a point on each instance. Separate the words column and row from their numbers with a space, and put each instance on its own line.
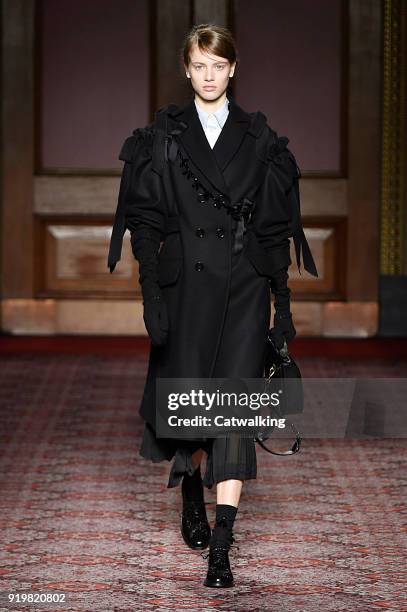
column 220, row 232
column 203, row 197
column 200, row 232
column 218, row 200
column 199, row 266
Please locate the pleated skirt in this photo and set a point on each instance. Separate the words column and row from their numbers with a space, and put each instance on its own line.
column 240, row 354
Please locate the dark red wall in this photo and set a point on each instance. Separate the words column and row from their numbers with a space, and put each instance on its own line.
column 94, row 81
column 291, row 70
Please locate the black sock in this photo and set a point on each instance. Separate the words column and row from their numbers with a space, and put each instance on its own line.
column 225, row 518
column 192, row 488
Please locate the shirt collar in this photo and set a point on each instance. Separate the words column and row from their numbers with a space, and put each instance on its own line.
column 221, row 114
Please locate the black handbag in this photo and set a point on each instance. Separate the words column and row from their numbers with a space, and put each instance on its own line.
column 280, row 367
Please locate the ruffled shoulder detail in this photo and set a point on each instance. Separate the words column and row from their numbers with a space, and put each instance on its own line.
column 286, row 171
column 126, row 152
column 258, row 121
column 278, row 153
column 142, row 139
column 270, row 147
column 145, row 134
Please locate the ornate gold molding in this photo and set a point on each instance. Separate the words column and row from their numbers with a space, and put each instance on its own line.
column 393, row 190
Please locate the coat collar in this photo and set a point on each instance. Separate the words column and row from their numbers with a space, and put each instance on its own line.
column 212, row 162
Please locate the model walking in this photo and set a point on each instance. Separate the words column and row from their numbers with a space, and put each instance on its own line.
column 219, row 188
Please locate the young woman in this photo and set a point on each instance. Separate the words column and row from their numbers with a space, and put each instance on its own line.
column 219, row 188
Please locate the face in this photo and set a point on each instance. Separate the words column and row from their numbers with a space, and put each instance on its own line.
column 209, row 74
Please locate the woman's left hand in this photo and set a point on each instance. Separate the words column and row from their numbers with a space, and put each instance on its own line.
column 283, row 329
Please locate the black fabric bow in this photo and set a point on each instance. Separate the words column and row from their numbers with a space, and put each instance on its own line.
column 241, row 212
column 278, row 147
column 241, row 209
column 182, row 463
column 171, row 145
column 279, row 153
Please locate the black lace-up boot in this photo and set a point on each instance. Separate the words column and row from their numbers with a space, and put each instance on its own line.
column 195, row 529
column 219, row 573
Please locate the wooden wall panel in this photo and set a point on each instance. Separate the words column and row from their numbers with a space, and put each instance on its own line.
column 364, row 103
column 72, row 261
column 170, row 22
column 17, row 148
column 327, row 240
column 92, row 196
column 97, row 195
column 105, row 316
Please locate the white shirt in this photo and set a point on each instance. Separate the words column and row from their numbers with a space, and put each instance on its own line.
column 213, row 123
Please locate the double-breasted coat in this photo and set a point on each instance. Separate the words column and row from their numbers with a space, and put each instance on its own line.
column 206, row 206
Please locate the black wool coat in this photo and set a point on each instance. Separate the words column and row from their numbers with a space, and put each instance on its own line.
column 201, row 204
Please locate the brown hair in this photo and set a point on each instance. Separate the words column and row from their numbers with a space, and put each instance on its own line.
column 212, row 39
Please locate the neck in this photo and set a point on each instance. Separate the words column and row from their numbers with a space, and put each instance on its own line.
column 210, row 106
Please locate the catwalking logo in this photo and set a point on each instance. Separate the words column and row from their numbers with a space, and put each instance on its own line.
column 222, row 421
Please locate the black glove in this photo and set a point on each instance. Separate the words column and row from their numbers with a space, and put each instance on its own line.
column 283, row 330
column 283, row 325
column 156, row 319
column 145, row 242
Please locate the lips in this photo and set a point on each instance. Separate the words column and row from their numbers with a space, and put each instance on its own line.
column 209, row 88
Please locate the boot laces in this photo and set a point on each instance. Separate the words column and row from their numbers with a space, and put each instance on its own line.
column 219, row 552
column 220, row 549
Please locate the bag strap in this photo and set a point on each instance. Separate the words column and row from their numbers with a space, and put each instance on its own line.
column 294, row 449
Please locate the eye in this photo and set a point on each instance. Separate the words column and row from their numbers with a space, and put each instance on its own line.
column 220, row 66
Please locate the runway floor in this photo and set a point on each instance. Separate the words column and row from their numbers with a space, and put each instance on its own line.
column 83, row 514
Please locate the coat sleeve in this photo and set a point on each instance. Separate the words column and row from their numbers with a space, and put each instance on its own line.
column 277, row 215
column 141, row 201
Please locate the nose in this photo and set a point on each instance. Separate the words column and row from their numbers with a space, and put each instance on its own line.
column 208, row 75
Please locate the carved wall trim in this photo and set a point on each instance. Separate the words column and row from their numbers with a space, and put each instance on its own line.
column 393, row 191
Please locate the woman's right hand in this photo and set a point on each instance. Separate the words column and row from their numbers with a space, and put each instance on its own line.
column 156, row 319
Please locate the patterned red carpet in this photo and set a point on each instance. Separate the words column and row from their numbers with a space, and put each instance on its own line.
column 83, row 514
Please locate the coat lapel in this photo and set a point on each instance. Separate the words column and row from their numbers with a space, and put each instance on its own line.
column 212, row 162
column 232, row 134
